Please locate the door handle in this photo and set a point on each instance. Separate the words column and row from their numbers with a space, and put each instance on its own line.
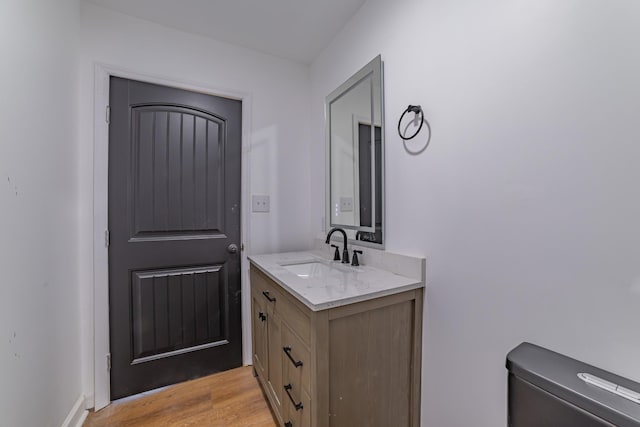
column 232, row 248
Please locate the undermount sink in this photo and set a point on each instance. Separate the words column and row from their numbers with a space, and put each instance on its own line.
column 308, row 270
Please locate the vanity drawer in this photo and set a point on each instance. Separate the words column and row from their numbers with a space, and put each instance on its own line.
column 296, row 360
column 267, row 290
column 293, row 313
column 292, row 416
column 297, row 320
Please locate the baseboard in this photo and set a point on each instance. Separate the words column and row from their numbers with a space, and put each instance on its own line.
column 88, row 402
column 77, row 415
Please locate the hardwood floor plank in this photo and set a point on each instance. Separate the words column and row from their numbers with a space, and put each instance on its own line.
column 228, row 399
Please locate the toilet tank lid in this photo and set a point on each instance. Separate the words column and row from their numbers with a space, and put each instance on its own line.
column 558, row 375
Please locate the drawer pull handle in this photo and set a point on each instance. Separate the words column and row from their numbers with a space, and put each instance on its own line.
column 298, row 406
column 267, row 296
column 262, row 316
column 288, row 424
column 287, row 351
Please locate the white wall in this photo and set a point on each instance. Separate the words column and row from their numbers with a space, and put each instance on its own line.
column 39, row 322
column 526, row 202
column 279, row 152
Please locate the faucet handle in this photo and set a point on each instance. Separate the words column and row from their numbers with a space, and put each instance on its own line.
column 355, row 261
column 336, row 255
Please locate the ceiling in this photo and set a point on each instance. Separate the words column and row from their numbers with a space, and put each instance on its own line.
column 294, row 29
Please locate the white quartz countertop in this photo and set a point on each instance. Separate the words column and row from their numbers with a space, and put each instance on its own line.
column 320, row 283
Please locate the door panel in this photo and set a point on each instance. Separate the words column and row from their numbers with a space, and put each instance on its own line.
column 178, row 310
column 178, row 172
column 174, row 207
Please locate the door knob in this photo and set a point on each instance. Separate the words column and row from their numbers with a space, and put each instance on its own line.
column 232, row 248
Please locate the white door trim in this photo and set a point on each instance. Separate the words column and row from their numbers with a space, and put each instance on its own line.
column 102, row 73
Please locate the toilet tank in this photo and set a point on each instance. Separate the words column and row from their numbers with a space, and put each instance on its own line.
column 546, row 390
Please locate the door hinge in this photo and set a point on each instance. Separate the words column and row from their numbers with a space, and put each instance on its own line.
column 108, row 114
column 108, row 361
column 106, row 238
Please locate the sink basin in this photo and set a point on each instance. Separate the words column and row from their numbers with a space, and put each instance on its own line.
column 309, row 270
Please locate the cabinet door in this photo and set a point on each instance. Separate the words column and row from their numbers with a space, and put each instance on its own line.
column 274, row 333
column 259, row 319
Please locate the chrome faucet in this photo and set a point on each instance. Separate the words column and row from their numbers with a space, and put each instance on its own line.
column 345, row 252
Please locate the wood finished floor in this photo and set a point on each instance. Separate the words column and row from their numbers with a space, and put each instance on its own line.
column 230, row 399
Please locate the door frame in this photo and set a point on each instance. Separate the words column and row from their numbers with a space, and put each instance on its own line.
column 102, row 74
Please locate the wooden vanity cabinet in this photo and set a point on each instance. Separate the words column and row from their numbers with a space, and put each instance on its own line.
column 348, row 366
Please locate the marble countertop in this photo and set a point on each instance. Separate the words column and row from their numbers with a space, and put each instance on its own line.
column 330, row 284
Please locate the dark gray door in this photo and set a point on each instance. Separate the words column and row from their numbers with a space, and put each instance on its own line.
column 364, row 175
column 174, row 218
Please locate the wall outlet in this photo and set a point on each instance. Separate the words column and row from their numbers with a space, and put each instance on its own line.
column 260, row 203
column 346, row 204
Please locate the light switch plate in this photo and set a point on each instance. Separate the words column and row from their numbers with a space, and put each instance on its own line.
column 260, row 203
column 346, row 204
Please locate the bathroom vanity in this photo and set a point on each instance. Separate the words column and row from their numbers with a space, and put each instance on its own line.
column 337, row 345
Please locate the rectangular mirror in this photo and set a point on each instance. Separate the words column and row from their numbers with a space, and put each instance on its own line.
column 355, row 156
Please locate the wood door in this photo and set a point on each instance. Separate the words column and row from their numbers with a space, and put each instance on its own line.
column 174, row 216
